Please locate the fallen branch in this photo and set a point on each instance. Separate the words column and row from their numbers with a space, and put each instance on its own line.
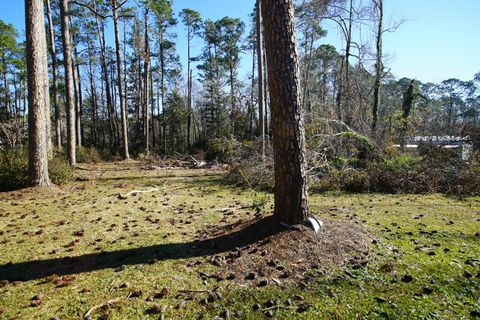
column 277, row 307
column 194, row 291
column 233, row 209
column 135, row 192
column 197, row 164
column 88, row 314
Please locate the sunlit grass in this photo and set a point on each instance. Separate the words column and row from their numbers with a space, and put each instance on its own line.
column 88, row 217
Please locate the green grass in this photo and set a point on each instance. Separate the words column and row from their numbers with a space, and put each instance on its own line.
column 39, row 225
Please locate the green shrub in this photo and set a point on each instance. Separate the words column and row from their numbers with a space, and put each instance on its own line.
column 13, row 168
column 401, row 162
column 224, row 150
column 60, row 171
column 88, row 155
column 327, row 183
column 253, row 173
column 354, row 181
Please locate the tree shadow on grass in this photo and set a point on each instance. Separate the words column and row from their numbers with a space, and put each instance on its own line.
column 251, row 232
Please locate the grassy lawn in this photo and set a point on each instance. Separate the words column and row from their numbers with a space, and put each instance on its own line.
column 139, row 251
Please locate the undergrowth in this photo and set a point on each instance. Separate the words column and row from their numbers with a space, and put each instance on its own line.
column 14, row 169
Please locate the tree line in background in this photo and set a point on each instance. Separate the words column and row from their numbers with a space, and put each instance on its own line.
column 130, row 94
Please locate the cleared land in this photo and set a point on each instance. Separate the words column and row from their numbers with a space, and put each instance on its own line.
column 195, row 247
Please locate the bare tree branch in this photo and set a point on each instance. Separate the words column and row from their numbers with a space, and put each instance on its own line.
column 91, row 9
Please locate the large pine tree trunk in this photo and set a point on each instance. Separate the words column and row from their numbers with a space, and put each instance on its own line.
column 291, row 196
column 38, row 95
column 67, row 62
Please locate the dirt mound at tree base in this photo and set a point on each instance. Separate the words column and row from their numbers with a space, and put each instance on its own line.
column 267, row 253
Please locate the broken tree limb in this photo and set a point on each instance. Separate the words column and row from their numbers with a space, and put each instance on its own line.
column 135, row 192
column 194, row 291
column 88, row 314
column 276, row 308
column 235, row 208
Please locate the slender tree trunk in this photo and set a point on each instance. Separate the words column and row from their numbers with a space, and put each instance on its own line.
column 347, row 106
column 106, row 78
column 53, row 54
column 125, row 61
column 306, row 78
column 67, row 62
column 115, row 110
column 266, row 101
column 158, row 113
column 15, row 91
column 24, row 103
column 232, row 98
column 102, row 98
column 291, row 196
column 123, row 110
column 378, row 65
column 251, row 110
column 323, row 91
column 146, row 95
column 189, row 88
column 162, row 81
column 76, row 94
column 6, row 86
column 343, row 103
column 79, row 104
column 38, row 95
column 93, row 97
column 138, row 84
column 261, row 81
column 152, row 110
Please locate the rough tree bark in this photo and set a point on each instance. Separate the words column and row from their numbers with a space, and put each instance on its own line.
column 67, row 62
column 38, row 96
column 291, row 196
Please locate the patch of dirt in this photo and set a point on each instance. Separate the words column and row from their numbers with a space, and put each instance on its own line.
column 267, row 253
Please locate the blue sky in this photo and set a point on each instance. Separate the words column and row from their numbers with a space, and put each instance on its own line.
column 438, row 40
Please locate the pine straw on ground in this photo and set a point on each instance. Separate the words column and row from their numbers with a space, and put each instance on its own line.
column 260, row 252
